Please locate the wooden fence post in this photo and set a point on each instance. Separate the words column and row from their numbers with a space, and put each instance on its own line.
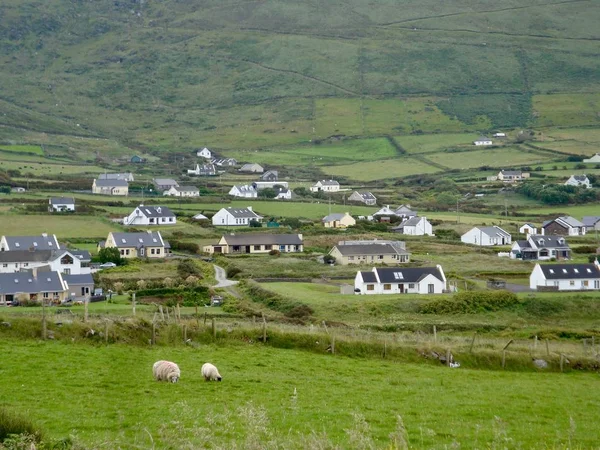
column 133, row 304
column 264, row 328
column 547, row 348
column 384, row 349
column 214, row 329
column 535, row 342
column 472, row 342
column 86, row 302
column 106, row 331
column 562, row 362
column 168, row 318
column 434, row 333
column 448, row 356
column 204, row 318
column 44, row 326
column 333, row 344
column 153, row 333
column 503, row 358
column 184, row 333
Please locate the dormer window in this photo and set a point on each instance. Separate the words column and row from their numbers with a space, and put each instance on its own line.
column 564, row 270
column 551, row 270
column 589, row 270
column 398, row 276
column 576, row 270
column 123, row 241
column 17, row 244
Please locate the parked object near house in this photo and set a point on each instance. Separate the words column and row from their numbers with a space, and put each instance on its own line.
column 59, row 260
column 512, row 176
column 591, row 223
column 150, row 215
column 483, row 140
column 483, row 236
column 80, row 287
column 61, row 204
column 232, row 216
column 370, row 252
column 183, row 191
column 41, row 242
column 164, row 184
column 499, row 134
column 18, row 190
column 563, row 226
column 401, row 280
column 414, row 226
column 542, row 248
column 126, row 176
column 204, row 153
column 49, row 287
column 338, row 220
column 593, row 159
column 149, row 244
column 363, row 197
column 579, row 181
column 565, row 277
column 136, row 159
column 110, row 187
column 256, row 243
column 325, row 186
column 401, row 211
column 270, row 175
column 528, row 229
column 251, row 168
column 203, row 170
column 244, row 191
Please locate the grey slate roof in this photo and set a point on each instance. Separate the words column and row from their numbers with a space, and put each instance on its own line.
column 334, row 216
column 37, row 242
column 569, row 271
column 329, row 183
column 407, row 274
column 493, row 231
column 138, row 240
column 511, row 172
column 263, row 239
column 369, row 277
column 410, row 222
column 82, row 255
column 165, row 182
column 540, row 241
column 367, row 195
column 371, row 249
column 111, row 183
column 14, row 283
column 85, row 278
column 246, row 188
column 115, row 176
column 581, row 178
column 241, row 213
column 156, row 211
column 565, row 221
column 186, row 188
column 590, row 221
column 17, row 256
column 62, row 201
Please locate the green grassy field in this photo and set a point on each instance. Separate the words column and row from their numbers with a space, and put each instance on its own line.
column 504, row 157
column 41, row 169
column 31, row 149
column 380, row 170
column 63, row 226
column 431, row 143
column 255, row 403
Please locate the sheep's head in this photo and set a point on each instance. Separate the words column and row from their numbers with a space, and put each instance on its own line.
column 218, row 378
column 174, row 379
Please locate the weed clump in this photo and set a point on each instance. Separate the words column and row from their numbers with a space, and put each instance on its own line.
column 471, row 302
column 12, row 424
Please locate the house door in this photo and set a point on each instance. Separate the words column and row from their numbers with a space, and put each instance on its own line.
column 401, row 288
column 430, row 289
column 247, row 249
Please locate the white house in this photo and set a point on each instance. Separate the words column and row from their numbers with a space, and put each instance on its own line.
column 363, row 197
column 592, row 223
column 482, row 236
column 61, row 204
column 42, row 242
column 183, row 191
column 593, row 159
column 224, row 162
column 400, row 280
column 283, row 193
column 150, row 215
column 244, row 191
column 62, row 261
column 512, row 176
column 204, row 170
column 164, row 184
column 499, row 135
column 325, row 186
column 232, row 216
column 482, row 140
column 541, row 248
column 258, row 185
column 579, row 181
column 566, row 277
column 204, row 153
column 126, row 176
column 414, row 226
column 528, row 229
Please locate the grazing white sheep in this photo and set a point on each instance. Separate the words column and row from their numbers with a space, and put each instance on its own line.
column 210, row 372
column 166, row 371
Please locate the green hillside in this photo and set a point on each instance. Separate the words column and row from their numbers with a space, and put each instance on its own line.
column 234, row 75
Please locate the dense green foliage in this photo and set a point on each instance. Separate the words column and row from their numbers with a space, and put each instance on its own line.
column 471, row 302
column 15, row 423
column 109, row 254
column 557, row 194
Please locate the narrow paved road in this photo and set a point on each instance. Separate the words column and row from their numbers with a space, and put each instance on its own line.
column 221, row 277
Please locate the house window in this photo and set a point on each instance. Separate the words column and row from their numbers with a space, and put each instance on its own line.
column 152, row 251
column 585, row 283
column 556, row 283
column 158, row 251
column 142, row 252
column 572, row 283
column 257, row 247
column 127, row 252
column 387, row 287
column 370, row 287
column 4, row 265
column 46, row 294
column 380, row 257
column 596, row 284
column 25, row 264
column 67, row 272
column 122, row 252
column 411, row 285
column 430, row 288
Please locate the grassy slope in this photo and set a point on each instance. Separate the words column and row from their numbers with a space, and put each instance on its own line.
column 438, row 405
column 238, row 75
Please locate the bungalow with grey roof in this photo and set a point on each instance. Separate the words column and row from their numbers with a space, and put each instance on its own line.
column 257, row 243
column 148, row 244
column 150, row 215
column 493, row 235
column 338, row 220
column 370, row 252
column 61, row 204
column 579, row 181
column 232, row 216
column 42, row 242
column 182, row 191
column 401, row 280
column 33, row 286
column 110, row 187
column 563, row 226
column 164, row 184
column 565, row 277
column 363, row 197
column 325, row 186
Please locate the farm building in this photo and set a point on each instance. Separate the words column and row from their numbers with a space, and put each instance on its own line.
column 528, row 229
column 338, row 220
column 183, row 191
column 232, row 216
column 483, row 236
column 251, row 168
column 563, row 226
column 61, row 204
column 150, row 215
column 482, row 140
column 370, row 252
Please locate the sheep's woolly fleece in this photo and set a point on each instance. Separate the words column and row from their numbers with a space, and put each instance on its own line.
column 210, row 372
column 166, row 371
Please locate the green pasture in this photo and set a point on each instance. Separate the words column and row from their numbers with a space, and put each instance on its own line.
column 322, row 154
column 567, row 109
column 380, row 170
column 63, row 226
column 31, row 149
column 435, row 142
column 290, row 397
column 41, row 169
column 30, row 158
column 502, row 157
column 572, row 147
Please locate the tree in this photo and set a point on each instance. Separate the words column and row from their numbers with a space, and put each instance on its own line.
column 187, row 267
column 5, row 189
column 141, row 284
column 255, row 224
column 267, row 193
column 191, row 281
column 110, row 254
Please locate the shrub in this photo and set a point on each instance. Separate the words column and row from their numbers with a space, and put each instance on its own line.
column 275, row 252
column 232, row 271
column 187, row 267
column 583, row 249
column 15, row 424
column 190, row 247
column 470, row 302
